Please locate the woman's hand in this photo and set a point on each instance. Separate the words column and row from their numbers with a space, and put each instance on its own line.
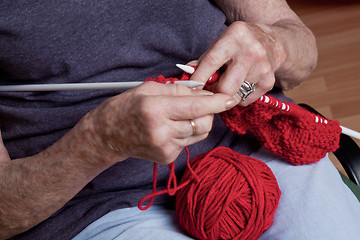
column 247, row 53
column 152, row 121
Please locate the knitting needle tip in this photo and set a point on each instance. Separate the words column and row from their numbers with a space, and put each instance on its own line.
column 350, row 132
column 186, row 68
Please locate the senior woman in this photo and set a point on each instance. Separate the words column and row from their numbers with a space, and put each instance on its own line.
column 74, row 164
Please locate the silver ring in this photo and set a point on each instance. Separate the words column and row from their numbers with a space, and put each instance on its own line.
column 193, row 127
column 246, row 89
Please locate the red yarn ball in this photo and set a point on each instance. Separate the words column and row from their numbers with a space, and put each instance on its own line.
column 232, row 196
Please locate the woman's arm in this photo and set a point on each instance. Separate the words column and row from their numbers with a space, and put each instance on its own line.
column 33, row 188
column 150, row 122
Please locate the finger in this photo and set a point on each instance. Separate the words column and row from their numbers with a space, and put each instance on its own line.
column 193, row 63
column 211, row 61
column 262, row 87
column 264, row 79
column 184, row 128
column 154, row 89
column 168, row 152
column 259, row 71
column 192, row 107
column 232, row 78
column 191, row 140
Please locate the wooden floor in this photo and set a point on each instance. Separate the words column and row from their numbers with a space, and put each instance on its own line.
column 334, row 87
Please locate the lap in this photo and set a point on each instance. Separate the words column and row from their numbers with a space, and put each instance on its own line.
column 157, row 222
column 315, row 204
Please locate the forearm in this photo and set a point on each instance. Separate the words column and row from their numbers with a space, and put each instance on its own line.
column 145, row 122
column 33, row 188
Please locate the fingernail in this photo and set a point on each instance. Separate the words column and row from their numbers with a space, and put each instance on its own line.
column 207, row 93
column 202, row 92
column 230, row 103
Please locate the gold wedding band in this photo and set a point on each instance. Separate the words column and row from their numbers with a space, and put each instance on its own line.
column 193, row 127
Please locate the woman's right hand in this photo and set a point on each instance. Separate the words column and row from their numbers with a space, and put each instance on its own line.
column 152, row 121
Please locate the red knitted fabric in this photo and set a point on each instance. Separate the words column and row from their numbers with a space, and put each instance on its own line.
column 184, row 77
column 215, row 77
column 286, row 129
column 233, row 196
column 162, row 79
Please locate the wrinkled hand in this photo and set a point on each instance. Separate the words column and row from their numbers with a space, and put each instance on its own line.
column 152, row 121
column 247, row 53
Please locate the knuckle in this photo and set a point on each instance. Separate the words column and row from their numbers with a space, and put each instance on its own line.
column 148, row 107
column 268, row 83
column 146, row 87
column 239, row 28
column 143, row 106
column 208, row 128
column 147, row 84
column 204, row 136
column 256, row 50
column 229, row 88
column 210, row 122
column 179, row 90
column 243, row 34
column 236, row 39
column 169, row 154
column 205, row 125
column 195, row 108
column 159, row 135
column 153, row 138
column 266, row 69
column 211, row 58
column 259, row 50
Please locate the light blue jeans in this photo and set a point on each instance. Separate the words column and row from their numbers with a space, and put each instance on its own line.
column 315, row 204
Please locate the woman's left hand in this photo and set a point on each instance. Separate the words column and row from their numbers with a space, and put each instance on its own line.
column 247, row 53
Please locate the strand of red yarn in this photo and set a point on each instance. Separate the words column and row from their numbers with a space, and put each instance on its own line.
column 172, row 186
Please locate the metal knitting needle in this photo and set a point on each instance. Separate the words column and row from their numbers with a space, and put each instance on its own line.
column 84, row 86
